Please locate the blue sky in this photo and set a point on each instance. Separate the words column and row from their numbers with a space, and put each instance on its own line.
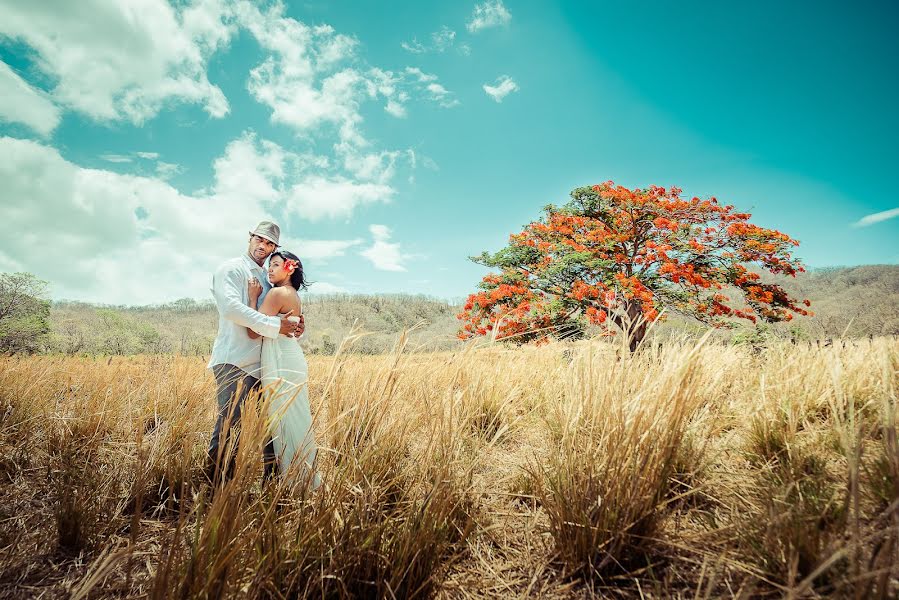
column 140, row 142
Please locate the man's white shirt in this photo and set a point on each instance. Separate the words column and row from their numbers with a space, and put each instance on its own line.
column 232, row 344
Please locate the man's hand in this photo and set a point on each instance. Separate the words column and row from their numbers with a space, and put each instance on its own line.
column 301, row 326
column 292, row 326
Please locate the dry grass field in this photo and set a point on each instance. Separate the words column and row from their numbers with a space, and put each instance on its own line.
column 563, row 471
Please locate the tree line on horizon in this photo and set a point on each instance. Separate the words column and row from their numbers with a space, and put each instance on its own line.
column 849, row 301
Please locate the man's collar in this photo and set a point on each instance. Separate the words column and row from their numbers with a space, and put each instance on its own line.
column 252, row 263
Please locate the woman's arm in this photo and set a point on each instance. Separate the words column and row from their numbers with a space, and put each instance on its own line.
column 273, row 303
column 271, row 306
column 274, row 307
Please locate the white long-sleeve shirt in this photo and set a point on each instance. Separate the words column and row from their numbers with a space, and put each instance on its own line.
column 232, row 344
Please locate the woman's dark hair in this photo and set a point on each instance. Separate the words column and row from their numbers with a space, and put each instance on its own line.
column 296, row 278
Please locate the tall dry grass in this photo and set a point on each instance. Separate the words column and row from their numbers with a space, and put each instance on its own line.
column 688, row 469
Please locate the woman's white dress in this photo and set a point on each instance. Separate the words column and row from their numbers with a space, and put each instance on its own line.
column 285, row 376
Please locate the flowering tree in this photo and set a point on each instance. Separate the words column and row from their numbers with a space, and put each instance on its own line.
column 621, row 256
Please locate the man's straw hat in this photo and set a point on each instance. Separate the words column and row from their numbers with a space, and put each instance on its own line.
column 269, row 231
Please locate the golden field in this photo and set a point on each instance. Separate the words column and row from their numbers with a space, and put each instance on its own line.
column 690, row 469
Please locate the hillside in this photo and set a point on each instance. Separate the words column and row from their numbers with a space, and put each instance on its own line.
column 189, row 327
column 857, row 301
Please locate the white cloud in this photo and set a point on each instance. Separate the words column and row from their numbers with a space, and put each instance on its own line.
column 104, row 223
column 250, row 169
column 379, row 167
column 301, row 80
column 315, row 83
column 877, row 218
column 166, row 170
column 89, row 218
column 116, row 158
column 441, row 40
column 503, row 87
column 318, row 250
column 395, row 108
column 384, row 254
column 401, row 86
column 21, row 103
column 415, row 47
column 123, row 60
column 118, row 61
column 491, row 13
column 305, row 185
column 442, row 96
column 420, row 75
column 319, row 197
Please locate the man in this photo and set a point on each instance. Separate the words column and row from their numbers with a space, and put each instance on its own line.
column 236, row 357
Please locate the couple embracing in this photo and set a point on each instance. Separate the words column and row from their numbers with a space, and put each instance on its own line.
column 257, row 348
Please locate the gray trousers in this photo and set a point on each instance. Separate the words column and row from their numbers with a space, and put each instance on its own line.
column 232, row 388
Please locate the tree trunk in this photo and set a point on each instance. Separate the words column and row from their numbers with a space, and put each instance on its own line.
column 635, row 325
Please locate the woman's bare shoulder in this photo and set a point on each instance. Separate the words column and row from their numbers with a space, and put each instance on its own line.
column 280, row 292
column 286, row 296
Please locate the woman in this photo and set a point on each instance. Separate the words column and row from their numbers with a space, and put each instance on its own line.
column 284, row 371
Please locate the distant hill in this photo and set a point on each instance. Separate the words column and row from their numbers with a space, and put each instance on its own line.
column 859, row 301
column 189, row 327
column 846, row 301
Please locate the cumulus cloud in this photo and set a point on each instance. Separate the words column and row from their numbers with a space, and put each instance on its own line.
column 127, row 62
column 315, row 83
column 104, row 223
column 117, row 61
column 299, row 79
column 251, row 169
column 489, row 14
column 384, row 254
column 503, row 87
column 21, row 103
column 878, row 217
column 318, row 198
column 101, row 224
column 379, row 167
column 396, row 108
column 123, row 60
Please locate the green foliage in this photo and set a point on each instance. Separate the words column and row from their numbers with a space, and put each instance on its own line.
column 756, row 335
column 24, row 313
column 122, row 334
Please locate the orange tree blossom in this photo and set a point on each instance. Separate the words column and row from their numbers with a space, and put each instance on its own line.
column 619, row 255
